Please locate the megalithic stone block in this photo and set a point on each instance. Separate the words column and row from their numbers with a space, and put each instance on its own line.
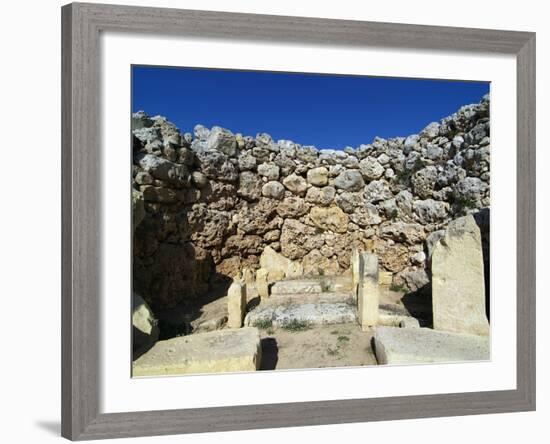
column 262, row 284
column 368, row 291
column 236, row 304
column 458, row 288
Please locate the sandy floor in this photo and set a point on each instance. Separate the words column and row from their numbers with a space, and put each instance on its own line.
column 338, row 345
column 318, row 347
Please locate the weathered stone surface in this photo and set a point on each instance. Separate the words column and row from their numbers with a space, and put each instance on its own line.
column 262, row 283
column 296, row 184
column 317, row 284
column 371, row 169
column 236, row 304
column 274, row 190
column 164, row 169
column 222, row 140
column 458, row 287
column 349, row 180
column 158, row 194
column 268, row 170
column 216, row 351
column 276, row 264
column 293, row 207
column 138, row 209
column 250, row 186
column 332, row 218
column 423, row 345
column 320, row 196
column 385, row 278
column 298, row 239
column 430, row 211
column 318, row 176
column 409, row 323
column 145, row 331
column 314, row 263
column 312, row 314
column 368, row 293
column 377, row 190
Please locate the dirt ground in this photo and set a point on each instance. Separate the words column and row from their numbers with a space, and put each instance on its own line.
column 338, row 345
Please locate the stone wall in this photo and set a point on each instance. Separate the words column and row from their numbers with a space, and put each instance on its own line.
column 214, row 200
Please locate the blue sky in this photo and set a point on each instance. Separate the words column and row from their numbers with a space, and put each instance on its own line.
column 328, row 111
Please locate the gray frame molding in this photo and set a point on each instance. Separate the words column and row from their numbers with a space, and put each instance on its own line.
column 81, row 26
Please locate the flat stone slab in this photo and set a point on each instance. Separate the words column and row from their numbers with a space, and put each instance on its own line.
column 309, row 298
column 320, row 285
column 237, row 350
column 313, row 314
column 424, row 345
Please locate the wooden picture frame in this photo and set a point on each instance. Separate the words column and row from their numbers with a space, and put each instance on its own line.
column 82, row 24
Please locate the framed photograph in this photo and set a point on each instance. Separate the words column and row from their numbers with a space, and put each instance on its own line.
column 278, row 221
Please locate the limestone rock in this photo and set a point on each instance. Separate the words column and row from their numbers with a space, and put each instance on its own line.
column 236, row 304
column 430, row 211
column 424, row 181
column 250, row 186
column 292, row 207
column 269, row 171
column 404, row 232
column 164, row 169
column 371, row 169
column 314, row 263
column 145, row 331
column 320, row 196
column 298, row 239
column 246, row 162
column 276, row 264
column 349, row 180
column 222, row 140
column 318, row 176
column 368, row 293
column 138, row 209
column 377, row 190
column 296, row 184
column 216, row 351
column 332, row 219
column 458, row 288
column 274, row 190
column 424, row 345
column 262, row 283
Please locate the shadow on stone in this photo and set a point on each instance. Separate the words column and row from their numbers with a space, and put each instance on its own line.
column 419, row 304
column 270, row 353
column 483, row 219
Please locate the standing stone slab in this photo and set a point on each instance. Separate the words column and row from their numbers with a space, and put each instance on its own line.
column 216, row 351
column 236, row 304
column 261, row 283
column 355, row 265
column 368, row 291
column 458, row 286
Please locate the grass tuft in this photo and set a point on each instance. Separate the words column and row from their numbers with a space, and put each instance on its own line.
column 296, row 325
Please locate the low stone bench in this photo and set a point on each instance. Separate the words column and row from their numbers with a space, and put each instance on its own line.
column 229, row 350
column 312, row 314
column 309, row 298
column 314, row 285
column 424, row 345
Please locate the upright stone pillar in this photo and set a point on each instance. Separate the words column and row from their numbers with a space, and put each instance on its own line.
column 368, row 290
column 236, row 304
column 355, row 259
column 262, row 284
column 458, row 287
